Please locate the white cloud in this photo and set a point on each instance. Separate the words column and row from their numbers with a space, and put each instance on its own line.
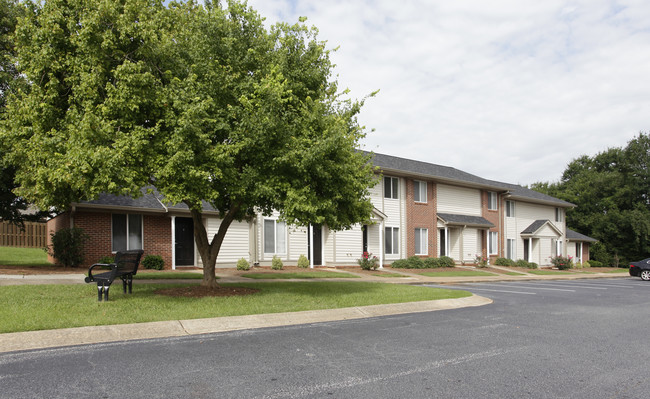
column 509, row 90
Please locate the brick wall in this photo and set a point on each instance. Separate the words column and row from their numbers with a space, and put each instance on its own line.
column 97, row 225
column 55, row 224
column 421, row 215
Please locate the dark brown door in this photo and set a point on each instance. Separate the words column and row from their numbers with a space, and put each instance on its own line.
column 184, row 242
column 317, row 240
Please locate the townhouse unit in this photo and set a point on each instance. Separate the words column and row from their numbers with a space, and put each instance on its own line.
column 419, row 208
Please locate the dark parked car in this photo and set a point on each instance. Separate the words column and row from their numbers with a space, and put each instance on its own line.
column 641, row 269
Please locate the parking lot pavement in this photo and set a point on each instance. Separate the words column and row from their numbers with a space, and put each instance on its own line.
column 560, row 288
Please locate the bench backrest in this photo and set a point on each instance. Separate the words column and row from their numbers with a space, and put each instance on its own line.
column 128, row 261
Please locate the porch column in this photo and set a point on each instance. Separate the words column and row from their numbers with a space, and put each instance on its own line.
column 381, row 245
column 173, row 242
column 530, row 249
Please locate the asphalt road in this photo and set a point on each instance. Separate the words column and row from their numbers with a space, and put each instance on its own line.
column 553, row 339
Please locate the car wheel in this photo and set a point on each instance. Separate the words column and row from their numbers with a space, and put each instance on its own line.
column 645, row 275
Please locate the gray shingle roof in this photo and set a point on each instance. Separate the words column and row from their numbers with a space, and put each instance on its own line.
column 575, row 236
column 390, row 163
column 430, row 170
column 151, row 199
column 536, row 225
column 465, row 220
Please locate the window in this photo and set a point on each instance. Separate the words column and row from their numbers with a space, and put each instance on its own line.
column 390, row 187
column 126, row 232
column 510, row 209
column 420, row 191
column 558, row 214
column 493, row 247
column 510, row 249
column 492, row 201
column 578, row 252
column 275, row 237
column 392, row 240
column 421, row 241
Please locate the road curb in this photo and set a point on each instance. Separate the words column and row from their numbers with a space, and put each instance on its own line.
column 20, row 341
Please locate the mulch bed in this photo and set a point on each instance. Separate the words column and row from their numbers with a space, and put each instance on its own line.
column 31, row 270
column 198, row 291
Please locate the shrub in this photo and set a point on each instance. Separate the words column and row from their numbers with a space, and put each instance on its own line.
column 431, row 263
column 106, row 259
column 446, row 261
column 523, row 263
column 481, row 261
column 368, row 261
column 415, row 262
column 504, row 262
column 595, row 263
column 303, row 261
column 562, row 263
column 242, row 264
column 276, row 263
column 400, row 264
column 68, row 246
column 155, row 262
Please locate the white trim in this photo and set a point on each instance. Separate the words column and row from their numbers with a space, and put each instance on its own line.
column 173, row 242
column 418, row 184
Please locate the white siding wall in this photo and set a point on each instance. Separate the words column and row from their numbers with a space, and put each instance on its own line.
column 297, row 242
column 525, row 215
column 454, row 243
column 470, row 244
column 459, row 200
column 235, row 243
column 345, row 247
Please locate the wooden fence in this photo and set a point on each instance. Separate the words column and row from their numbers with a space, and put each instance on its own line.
column 34, row 235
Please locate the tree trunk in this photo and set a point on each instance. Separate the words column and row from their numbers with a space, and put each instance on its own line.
column 209, row 250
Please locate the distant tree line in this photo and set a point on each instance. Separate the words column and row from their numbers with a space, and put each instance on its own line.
column 611, row 191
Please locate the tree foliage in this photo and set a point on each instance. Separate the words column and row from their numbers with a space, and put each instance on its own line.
column 612, row 194
column 203, row 102
column 12, row 207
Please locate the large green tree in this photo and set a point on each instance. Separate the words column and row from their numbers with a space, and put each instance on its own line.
column 612, row 192
column 12, row 207
column 203, row 102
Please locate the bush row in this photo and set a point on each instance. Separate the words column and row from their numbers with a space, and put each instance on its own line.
column 415, row 262
column 518, row 263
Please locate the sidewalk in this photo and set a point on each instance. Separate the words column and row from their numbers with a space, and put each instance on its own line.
column 10, row 342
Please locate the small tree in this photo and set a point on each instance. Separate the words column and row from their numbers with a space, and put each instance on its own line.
column 68, row 246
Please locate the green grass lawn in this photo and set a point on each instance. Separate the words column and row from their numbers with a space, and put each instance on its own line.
column 298, row 275
column 619, row 270
column 166, row 275
column 12, row 256
column 514, row 274
column 457, row 273
column 548, row 272
column 41, row 307
column 387, row 274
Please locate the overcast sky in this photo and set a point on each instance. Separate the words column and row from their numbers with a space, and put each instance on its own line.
column 507, row 90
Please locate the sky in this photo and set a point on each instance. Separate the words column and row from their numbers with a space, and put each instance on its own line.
column 509, row 90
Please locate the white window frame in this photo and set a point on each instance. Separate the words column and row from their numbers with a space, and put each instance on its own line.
column 511, row 248
column 276, row 235
column 558, row 215
column 422, row 241
column 510, row 209
column 393, row 236
column 492, row 201
column 393, row 183
column 420, row 191
column 128, row 230
column 493, row 243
